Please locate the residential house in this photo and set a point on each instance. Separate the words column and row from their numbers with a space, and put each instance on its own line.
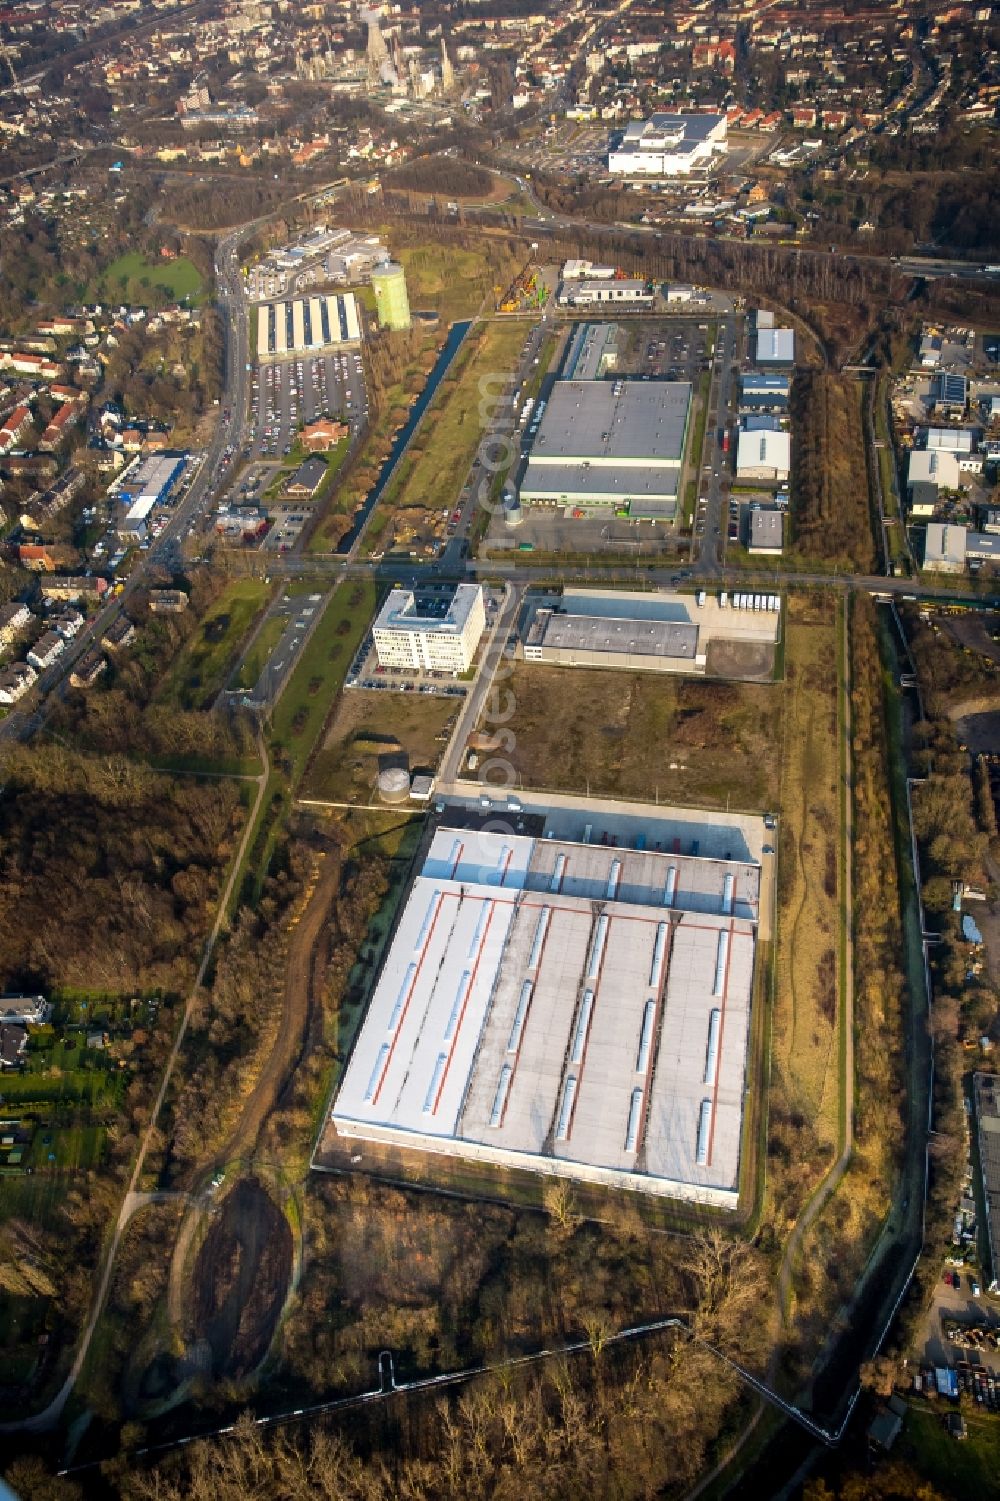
column 46, row 649
column 25, row 1010
column 68, row 623
column 121, row 632
column 167, row 601
column 73, row 586
column 13, row 1045
column 15, row 427
column 14, row 618
column 15, row 682
column 88, row 669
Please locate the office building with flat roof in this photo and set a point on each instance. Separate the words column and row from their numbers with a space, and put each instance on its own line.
column 578, row 1010
column 430, row 637
column 764, row 393
column 610, row 443
column 767, row 531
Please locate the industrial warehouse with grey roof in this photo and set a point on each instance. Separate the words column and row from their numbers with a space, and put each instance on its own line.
column 609, row 442
column 575, row 1009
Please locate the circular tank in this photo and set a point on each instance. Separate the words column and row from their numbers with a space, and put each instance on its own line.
column 512, row 513
column 394, row 785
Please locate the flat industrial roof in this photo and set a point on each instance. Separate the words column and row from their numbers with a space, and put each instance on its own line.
column 777, row 344
column 614, row 422
column 567, row 1007
column 655, row 133
column 757, row 450
column 584, row 481
column 767, row 529
column 650, row 638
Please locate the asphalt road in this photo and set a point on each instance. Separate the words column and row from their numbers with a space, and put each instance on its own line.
column 22, row 723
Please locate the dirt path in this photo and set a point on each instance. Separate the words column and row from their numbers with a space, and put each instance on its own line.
column 832, row 1180
column 303, row 974
column 134, row 1200
column 303, row 977
column 830, row 1183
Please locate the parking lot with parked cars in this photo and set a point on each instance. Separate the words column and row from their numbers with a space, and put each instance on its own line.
column 289, row 394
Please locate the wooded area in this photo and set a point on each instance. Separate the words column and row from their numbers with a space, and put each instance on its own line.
column 831, row 516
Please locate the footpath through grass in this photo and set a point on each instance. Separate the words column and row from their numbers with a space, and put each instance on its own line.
column 806, row 1037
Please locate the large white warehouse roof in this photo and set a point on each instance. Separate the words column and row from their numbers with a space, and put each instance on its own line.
column 565, row 1007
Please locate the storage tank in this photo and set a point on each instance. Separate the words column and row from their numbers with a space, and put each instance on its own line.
column 391, row 302
column 394, row 785
column 512, row 513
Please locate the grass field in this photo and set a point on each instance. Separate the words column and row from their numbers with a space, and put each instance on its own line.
column 961, row 1470
column 434, row 469
column 445, row 278
column 319, row 674
column 370, row 729
column 131, row 276
column 805, row 1051
column 200, row 670
column 642, row 735
column 298, row 720
column 256, row 658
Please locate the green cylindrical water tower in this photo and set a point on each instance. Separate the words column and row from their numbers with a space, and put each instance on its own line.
column 391, row 301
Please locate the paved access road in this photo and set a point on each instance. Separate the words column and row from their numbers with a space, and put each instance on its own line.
column 166, row 550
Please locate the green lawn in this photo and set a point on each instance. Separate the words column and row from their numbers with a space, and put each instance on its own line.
column 319, row 674
column 124, row 278
column 443, row 277
column 200, row 670
column 434, row 469
column 959, row 1469
column 264, row 642
column 67, row 1148
column 86, row 1086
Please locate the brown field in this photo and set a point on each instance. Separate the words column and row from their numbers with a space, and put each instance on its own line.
column 804, row 1109
column 831, row 519
column 640, row 735
column 370, row 731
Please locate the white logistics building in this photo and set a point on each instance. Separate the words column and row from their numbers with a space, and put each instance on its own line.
column 429, row 637
column 669, row 145
column 575, row 1009
column 764, row 456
